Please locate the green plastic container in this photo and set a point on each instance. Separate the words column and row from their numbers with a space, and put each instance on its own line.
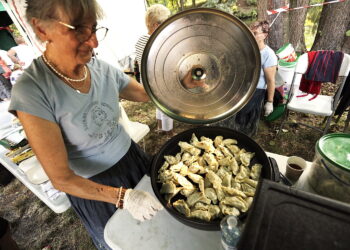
column 277, row 113
column 330, row 172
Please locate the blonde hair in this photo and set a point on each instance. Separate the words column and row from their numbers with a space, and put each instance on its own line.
column 156, row 14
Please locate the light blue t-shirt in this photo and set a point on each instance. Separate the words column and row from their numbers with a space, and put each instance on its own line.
column 268, row 59
column 93, row 138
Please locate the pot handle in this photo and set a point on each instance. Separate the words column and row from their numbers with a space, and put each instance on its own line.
column 332, row 174
column 274, row 169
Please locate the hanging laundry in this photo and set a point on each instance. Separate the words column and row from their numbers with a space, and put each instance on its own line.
column 324, row 66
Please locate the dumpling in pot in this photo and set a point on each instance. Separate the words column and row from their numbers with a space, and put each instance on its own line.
column 246, row 157
column 164, row 167
column 211, row 194
column 247, row 189
column 225, row 151
column 228, row 210
column 214, row 211
column 182, row 181
column 212, row 162
column 249, row 201
column 214, row 179
column 196, row 197
column 168, row 188
column 233, row 192
column 200, row 214
column 242, row 174
column 196, row 178
column 226, row 181
column 171, row 159
column 205, row 145
column 201, row 206
column 182, row 207
column 186, row 147
column 236, row 202
column 220, row 193
column 184, row 170
column 229, row 141
column 250, row 182
column 255, row 171
column 234, row 149
column 165, row 176
column 194, row 139
column 218, row 140
column 188, row 192
column 177, row 167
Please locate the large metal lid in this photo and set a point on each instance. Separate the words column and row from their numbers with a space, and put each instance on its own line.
column 211, row 44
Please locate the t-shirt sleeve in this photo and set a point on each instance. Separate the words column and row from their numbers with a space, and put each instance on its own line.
column 123, row 79
column 270, row 60
column 28, row 97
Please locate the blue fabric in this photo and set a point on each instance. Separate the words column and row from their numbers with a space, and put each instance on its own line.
column 93, row 138
column 126, row 173
column 247, row 119
column 268, row 59
column 325, row 66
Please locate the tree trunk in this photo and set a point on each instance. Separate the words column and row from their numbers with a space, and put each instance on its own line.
column 276, row 36
column 193, row 3
column 333, row 23
column 346, row 45
column 262, row 8
column 181, row 5
column 297, row 24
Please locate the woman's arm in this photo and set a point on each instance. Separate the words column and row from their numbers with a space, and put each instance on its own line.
column 270, row 74
column 134, row 91
column 46, row 140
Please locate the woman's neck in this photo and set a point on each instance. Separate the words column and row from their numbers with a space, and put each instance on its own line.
column 67, row 68
column 261, row 45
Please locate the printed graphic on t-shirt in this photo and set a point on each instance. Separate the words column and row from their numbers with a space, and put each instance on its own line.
column 99, row 121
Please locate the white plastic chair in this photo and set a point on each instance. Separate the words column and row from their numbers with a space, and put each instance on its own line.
column 322, row 105
column 136, row 130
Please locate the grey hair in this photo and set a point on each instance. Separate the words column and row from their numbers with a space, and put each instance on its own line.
column 156, row 14
column 76, row 10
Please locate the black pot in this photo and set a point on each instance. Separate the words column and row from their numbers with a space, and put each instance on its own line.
column 268, row 171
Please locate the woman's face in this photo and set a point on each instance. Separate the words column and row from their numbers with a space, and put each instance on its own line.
column 66, row 44
column 259, row 35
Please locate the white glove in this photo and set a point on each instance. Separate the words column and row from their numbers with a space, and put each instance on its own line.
column 268, row 108
column 141, row 205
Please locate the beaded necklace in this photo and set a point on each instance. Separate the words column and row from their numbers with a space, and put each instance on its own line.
column 67, row 79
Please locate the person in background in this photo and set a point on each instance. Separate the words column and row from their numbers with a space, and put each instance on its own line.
column 155, row 15
column 247, row 119
column 21, row 54
column 5, row 84
column 68, row 104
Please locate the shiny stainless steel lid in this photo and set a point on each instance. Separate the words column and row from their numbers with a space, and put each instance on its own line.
column 214, row 46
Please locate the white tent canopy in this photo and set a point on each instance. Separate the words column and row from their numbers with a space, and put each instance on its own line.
column 124, row 19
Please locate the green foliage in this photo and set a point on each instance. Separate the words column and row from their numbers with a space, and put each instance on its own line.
column 251, row 2
column 347, row 33
column 311, row 23
column 224, row 5
column 244, row 14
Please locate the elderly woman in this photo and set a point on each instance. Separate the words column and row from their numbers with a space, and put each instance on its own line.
column 68, row 105
column 155, row 15
column 247, row 119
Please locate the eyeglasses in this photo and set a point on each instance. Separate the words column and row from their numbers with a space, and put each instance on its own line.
column 84, row 33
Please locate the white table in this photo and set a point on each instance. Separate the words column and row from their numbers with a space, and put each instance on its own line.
column 163, row 232
column 59, row 205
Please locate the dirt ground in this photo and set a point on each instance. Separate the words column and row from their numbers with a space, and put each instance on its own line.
column 35, row 226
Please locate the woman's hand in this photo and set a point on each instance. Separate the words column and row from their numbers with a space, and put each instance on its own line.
column 141, row 205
